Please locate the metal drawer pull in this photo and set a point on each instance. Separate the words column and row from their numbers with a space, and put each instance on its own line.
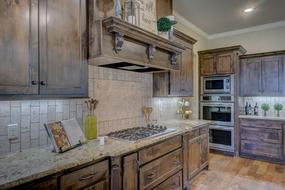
column 87, row 176
column 173, row 185
column 151, row 175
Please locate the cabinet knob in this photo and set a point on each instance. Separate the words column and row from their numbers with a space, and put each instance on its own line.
column 34, row 82
column 43, row 83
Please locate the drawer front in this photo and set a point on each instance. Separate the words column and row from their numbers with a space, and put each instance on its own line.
column 86, row 176
column 261, row 149
column 204, row 130
column 172, row 183
column 155, row 151
column 264, row 135
column 102, row 185
column 159, row 170
column 262, row 123
column 193, row 134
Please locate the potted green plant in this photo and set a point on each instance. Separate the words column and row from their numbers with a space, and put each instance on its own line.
column 278, row 107
column 265, row 108
column 164, row 25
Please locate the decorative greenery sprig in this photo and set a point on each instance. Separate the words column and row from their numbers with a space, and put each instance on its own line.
column 278, row 107
column 164, row 24
column 265, row 107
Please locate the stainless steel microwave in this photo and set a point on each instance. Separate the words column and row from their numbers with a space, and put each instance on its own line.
column 217, row 85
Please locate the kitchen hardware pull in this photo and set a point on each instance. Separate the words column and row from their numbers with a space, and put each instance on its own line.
column 43, row 83
column 151, row 175
column 173, row 185
column 82, row 178
column 34, row 82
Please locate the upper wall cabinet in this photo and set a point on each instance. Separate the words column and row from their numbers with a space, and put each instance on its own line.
column 41, row 48
column 262, row 74
column 220, row 61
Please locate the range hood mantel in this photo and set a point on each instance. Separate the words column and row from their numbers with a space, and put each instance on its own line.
column 117, row 44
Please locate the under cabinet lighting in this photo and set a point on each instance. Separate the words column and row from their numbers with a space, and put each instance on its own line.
column 248, row 10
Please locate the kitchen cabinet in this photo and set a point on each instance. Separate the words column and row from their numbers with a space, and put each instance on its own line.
column 220, row 61
column 180, row 82
column 195, row 153
column 50, row 184
column 262, row 76
column 173, row 183
column 35, row 59
column 262, row 139
column 130, row 172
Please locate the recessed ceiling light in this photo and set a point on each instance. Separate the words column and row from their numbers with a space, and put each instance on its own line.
column 248, row 10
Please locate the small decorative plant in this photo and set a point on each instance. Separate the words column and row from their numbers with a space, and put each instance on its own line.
column 278, row 107
column 265, row 108
column 164, row 24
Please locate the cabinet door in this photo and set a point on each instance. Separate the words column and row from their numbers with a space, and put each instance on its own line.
column 204, row 150
column 130, row 172
column 181, row 82
column 225, row 63
column 207, row 65
column 272, row 73
column 160, row 84
column 64, row 69
column 18, row 47
column 250, row 77
column 193, row 157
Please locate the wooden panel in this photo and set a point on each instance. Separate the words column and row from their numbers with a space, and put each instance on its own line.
column 172, row 183
column 193, row 134
column 272, row 72
column 116, row 173
column 263, row 135
column 86, row 176
column 257, row 123
column 50, row 184
column 204, row 150
column 204, row 130
column 225, row 63
column 18, row 47
column 102, row 185
column 63, row 24
column 259, row 149
column 164, row 8
column 250, row 77
column 207, row 65
column 159, row 170
column 194, row 157
column 160, row 84
column 130, row 172
column 160, row 149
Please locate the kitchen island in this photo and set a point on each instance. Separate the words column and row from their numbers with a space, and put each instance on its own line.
column 184, row 152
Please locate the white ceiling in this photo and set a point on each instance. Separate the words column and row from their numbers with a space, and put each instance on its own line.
column 219, row 16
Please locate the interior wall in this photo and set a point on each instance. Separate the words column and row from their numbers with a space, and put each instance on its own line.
column 254, row 42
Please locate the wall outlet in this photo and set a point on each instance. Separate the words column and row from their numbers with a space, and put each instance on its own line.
column 13, row 131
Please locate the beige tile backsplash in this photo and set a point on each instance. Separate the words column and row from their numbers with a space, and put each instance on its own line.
column 121, row 96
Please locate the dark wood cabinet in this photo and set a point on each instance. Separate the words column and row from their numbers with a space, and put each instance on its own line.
column 195, row 153
column 172, row 183
column 262, row 139
column 220, row 61
column 42, row 184
column 63, row 45
column 19, row 47
column 180, row 82
column 130, row 172
column 262, row 76
column 41, row 48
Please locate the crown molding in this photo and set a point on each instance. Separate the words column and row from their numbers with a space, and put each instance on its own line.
column 247, row 30
column 198, row 30
column 189, row 24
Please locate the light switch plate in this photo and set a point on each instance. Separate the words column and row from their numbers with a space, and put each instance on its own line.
column 13, row 131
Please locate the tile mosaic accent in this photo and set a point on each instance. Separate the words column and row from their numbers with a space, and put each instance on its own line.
column 121, row 96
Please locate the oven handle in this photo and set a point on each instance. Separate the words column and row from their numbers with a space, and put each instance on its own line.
column 217, row 104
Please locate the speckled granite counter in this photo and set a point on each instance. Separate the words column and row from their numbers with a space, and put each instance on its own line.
column 262, row 117
column 32, row 164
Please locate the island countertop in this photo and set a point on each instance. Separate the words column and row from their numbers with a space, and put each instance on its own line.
column 32, row 164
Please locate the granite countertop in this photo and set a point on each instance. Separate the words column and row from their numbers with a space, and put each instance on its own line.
column 262, row 117
column 32, row 164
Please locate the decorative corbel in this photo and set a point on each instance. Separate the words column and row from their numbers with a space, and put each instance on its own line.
column 173, row 58
column 119, row 41
column 150, row 52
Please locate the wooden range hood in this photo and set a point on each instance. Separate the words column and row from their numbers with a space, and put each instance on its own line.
column 115, row 43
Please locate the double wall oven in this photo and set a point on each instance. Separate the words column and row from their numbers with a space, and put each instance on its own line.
column 217, row 105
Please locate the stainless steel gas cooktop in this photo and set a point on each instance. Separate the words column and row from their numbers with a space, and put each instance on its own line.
column 138, row 133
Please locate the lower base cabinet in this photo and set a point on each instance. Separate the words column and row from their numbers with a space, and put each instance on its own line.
column 172, row 183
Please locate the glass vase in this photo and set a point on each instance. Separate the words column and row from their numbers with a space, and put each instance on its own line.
column 90, row 126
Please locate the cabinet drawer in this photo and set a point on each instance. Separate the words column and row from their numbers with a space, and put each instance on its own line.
column 172, row 183
column 264, row 135
column 159, row 170
column 85, row 177
column 262, row 123
column 261, row 149
column 102, row 185
column 193, row 134
column 155, row 151
column 204, row 130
